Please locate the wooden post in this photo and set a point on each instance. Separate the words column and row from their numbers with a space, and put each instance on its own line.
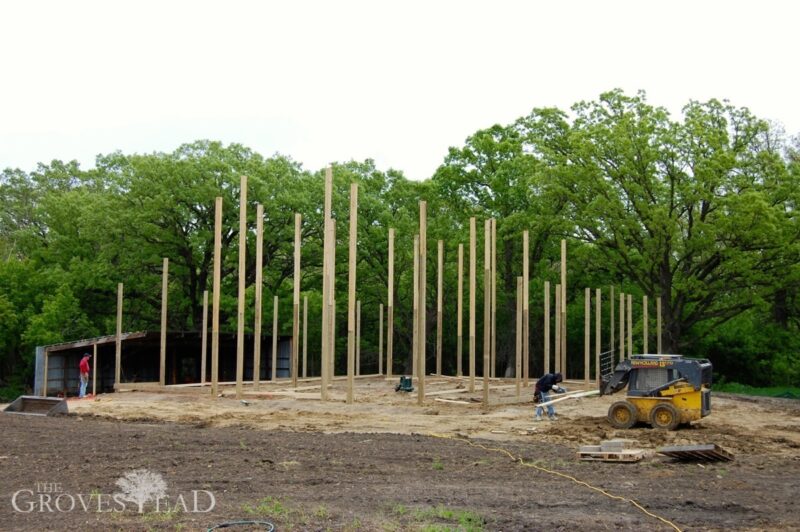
column 298, row 219
column 487, row 309
column 658, row 324
column 390, row 309
column 117, row 343
column 423, row 288
column 645, row 350
column 351, row 291
column 564, row 307
column 518, row 351
column 546, row 327
column 326, row 336
column 44, row 377
column 332, row 305
column 587, row 325
column 630, row 324
column 380, row 339
column 439, row 265
column 305, row 336
column 204, row 340
column 259, row 289
column 558, row 329
column 215, row 297
column 621, row 326
column 241, row 273
column 94, row 370
column 472, row 266
column 163, row 351
column 460, row 311
column 526, row 341
column 358, row 337
column 415, row 315
column 597, row 334
column 613, row 325
column 274, row 338
column 493, row 274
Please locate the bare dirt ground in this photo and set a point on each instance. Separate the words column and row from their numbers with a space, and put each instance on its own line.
column 382, row 463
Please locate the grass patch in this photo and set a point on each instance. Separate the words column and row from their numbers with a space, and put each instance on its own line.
column 789, row 392
column 437, row 464
column 441, row 518
column 268, row 506
column 160, row 517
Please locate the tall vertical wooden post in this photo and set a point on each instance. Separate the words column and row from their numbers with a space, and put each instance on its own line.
column 493, row 364
column 163, row 351
column 358, row 337
column 351, row 291
column 415, row 315
column 332, row 305
column 259, row 290
column 305, row 336
column 117, row 345
column 423, row 288
column 621, row 326
column 439, row 265
column 472, row 266
column 390, row 309
column 242, row 277
column 558, row 330
column 613, row 330
column 629, row 304
column 518, row 352
column 274, row 338
column 645, row 350
column 460, row 311
column 94, row 370
column 326, row 336
column 380, row 339
column 546, row 327
column 587, row 325
column 215, row 297
column 526, row 340
column 204, row 340
column 658, row 324
column 298, row 220
column 564, row 307
column 487, row 309
column 597, row 334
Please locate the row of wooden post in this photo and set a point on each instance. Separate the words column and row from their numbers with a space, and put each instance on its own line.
column 420, row 284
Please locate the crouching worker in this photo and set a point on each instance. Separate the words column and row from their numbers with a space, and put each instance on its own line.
column 544, row 386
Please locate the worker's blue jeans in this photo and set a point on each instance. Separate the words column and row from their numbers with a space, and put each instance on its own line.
column 84, row 384
column 550, row 410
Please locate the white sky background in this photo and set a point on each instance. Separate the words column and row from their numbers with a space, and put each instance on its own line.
column 397, row 81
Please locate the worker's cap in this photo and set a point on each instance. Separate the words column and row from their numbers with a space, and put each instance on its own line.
column 559, row 377
column 87, row 355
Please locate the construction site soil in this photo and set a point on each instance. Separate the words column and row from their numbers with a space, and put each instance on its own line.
column 384, row 463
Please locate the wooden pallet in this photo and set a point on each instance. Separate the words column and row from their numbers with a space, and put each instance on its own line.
column 710, row 452
column 629, row 455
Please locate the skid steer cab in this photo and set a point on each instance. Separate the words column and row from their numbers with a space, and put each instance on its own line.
column 663, row 390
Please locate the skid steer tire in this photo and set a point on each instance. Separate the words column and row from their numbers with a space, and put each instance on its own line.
column 622, row 415
column 665, row 416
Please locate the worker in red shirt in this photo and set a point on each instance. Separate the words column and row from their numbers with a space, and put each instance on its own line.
column 84, row 369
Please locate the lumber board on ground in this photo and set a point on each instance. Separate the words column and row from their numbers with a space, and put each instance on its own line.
column 452, row 401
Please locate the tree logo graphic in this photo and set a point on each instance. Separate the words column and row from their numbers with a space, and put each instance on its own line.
column 141, row 486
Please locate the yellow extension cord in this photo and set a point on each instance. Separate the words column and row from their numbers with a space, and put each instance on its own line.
column 558, row 474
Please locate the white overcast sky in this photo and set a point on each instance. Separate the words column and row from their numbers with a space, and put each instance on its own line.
column 396, row 81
